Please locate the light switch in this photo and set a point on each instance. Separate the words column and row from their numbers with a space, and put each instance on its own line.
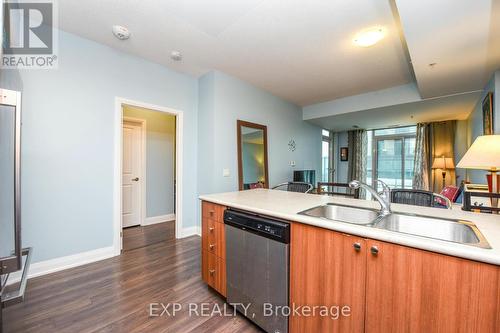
column 226, row 173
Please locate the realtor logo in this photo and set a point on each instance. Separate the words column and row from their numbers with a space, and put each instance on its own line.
column 29, row 34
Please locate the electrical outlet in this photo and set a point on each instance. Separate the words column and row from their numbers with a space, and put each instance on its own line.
column 226, row 173
column 292, row 163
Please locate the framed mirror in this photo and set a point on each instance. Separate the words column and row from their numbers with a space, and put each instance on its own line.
column 252, row 155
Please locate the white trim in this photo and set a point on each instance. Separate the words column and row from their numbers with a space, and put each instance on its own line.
column 191, row 231
column 117, row 199
column 142, row 172
column 62, row 263
column 158, row 219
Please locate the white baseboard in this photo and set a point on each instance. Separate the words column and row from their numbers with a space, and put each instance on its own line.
column 191, row 231
column 74, row 260
column 159, row 219
column 62, row 263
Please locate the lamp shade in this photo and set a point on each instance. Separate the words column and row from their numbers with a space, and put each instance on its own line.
column 443, row 163
column 484, row 154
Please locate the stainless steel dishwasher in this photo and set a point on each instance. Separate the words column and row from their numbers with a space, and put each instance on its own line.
column 257, row 267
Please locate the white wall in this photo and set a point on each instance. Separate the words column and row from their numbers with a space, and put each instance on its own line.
column 68, row 142
column 224, row 100
column 160, row 159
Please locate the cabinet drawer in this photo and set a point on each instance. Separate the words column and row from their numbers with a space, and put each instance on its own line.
column 214, row 272
column 211, row 268
column 212, row 211
column 214, row 240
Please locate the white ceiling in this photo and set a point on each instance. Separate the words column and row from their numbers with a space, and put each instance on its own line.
column 461, row 36
column 300, row 50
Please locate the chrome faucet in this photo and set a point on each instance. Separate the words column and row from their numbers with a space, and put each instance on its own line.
column 386, row 191
column 384, row 202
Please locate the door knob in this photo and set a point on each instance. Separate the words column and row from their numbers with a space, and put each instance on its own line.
column 136, row 179
column 357, row 246
column 374, row 250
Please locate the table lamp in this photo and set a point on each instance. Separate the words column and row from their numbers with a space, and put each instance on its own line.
column 484, row 154
column 443, row 163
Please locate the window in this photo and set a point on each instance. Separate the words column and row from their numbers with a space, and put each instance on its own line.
column 326, row 157
column 391, row 154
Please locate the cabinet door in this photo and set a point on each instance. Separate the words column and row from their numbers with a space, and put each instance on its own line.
column 327, row 268
column 410, row 290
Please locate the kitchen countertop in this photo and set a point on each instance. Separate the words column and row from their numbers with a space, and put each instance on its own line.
column 287, row 205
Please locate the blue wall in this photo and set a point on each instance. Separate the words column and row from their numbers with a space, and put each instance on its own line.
column 475, row 126
column 225, row 99
column 341, row 167
column 68, row 131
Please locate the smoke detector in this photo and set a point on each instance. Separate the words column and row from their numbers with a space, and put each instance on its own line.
column 176, row 55
column 120, row 32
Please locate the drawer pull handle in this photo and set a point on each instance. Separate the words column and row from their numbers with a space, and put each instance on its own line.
column 357, row 246
column 211, row 246
column 211, row 229
column 374, row 250
column 211, row 213
column 212, row 271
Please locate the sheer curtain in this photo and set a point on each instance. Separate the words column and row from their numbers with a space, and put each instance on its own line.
column 421, row 167
column 357, row 143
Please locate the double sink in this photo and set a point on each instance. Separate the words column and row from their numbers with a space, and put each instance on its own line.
column 456, row 231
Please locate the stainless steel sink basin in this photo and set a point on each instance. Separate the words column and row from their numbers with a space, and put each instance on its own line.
column 344, row 213
column 456, row 231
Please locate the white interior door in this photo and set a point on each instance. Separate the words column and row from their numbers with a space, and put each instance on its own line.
column 131, row 177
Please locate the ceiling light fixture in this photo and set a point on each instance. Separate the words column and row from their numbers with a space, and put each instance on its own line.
column 121, row 32
column 369, row 37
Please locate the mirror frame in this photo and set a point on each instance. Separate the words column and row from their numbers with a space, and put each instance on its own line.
column 239, row 125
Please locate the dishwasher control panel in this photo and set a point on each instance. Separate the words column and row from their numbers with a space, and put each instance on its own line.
column 264, row 226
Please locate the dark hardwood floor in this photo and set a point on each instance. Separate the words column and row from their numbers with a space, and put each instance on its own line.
column 114, row 295
column 139, row 236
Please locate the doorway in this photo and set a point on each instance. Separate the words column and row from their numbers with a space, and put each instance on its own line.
column 148, row 183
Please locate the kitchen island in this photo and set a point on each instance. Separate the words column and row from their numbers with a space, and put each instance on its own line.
column 391, row 281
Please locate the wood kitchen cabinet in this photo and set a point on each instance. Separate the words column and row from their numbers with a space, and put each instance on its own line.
column 327, row 268
column 389, row 287
column 213, row 247
column 411, row 290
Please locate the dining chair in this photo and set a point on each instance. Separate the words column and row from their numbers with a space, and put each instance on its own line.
column 419, row 198
column 294, row 187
